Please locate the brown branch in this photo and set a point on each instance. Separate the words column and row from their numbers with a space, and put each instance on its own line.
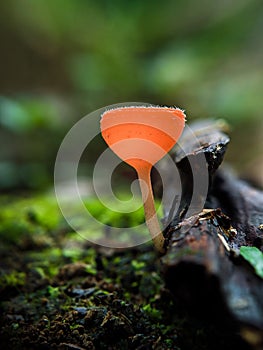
column 202, row 267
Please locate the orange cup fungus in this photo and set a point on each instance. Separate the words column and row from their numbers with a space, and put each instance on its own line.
column 141, row 136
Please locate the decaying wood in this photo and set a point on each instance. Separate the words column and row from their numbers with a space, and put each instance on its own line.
column 202, row 266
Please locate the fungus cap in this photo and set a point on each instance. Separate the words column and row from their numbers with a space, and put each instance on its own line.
column 141, row 134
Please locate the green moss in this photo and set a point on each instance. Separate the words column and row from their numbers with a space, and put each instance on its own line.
column 31, row 219
column 169, row 342
column 137, row 265
column 46, row 262
column 76, row 293
column 152, row 312
column 125, row 213
column 12, row 279
column 73, row 253
column 26, row 217
column 53, row 292
column 91, row 269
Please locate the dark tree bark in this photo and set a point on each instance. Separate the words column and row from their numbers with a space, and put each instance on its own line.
column 202, row 266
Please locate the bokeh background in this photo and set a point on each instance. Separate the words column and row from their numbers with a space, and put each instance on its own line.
column 61, row 59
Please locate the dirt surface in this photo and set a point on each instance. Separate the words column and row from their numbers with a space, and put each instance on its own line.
column 58, row 292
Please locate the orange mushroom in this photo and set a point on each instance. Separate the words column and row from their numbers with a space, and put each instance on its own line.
column 141, row 136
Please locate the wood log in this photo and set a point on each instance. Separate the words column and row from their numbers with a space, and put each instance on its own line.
column 202, row 266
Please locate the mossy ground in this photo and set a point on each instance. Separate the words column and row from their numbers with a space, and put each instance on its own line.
column 59, row 292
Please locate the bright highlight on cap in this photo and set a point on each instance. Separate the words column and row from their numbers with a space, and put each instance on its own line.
column 141, row 136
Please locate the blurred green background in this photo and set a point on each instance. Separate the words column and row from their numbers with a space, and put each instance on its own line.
column 61, row 59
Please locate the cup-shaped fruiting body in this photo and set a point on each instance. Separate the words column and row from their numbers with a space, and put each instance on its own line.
column 141, row 136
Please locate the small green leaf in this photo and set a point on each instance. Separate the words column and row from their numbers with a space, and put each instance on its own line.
column 255, row 257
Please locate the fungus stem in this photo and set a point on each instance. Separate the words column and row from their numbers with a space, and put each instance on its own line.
column 141, row 136
column 144, row 175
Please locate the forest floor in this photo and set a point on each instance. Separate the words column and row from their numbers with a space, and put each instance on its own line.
column 57, row 291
